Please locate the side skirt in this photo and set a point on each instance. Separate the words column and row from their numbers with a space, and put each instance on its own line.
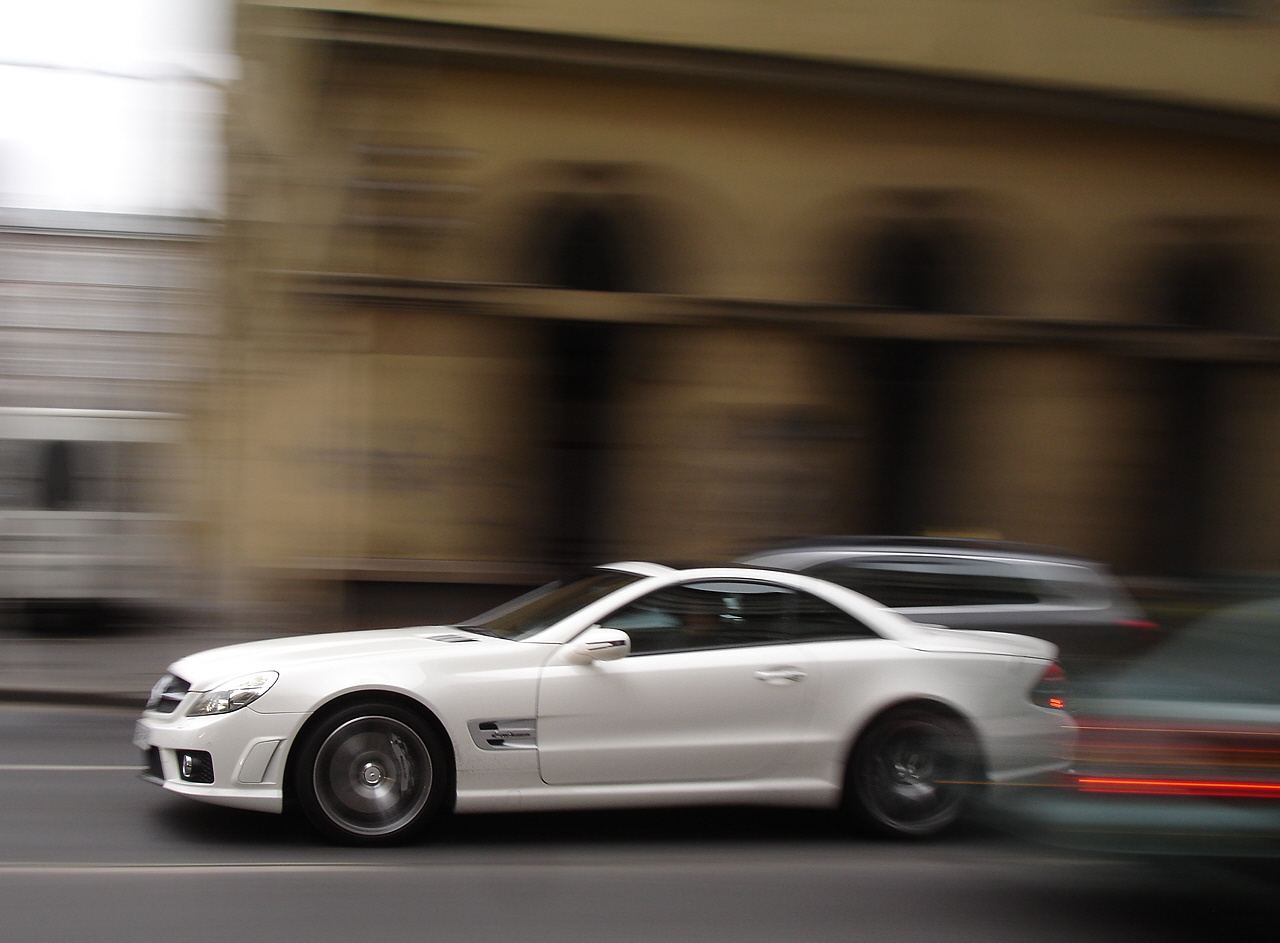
column 803, row 793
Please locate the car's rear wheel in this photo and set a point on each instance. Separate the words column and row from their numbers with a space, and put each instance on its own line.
column 911, row 774
column 371, row 774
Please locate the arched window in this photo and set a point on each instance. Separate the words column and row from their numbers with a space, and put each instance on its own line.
column 917, row 265
column 593, row 241
column 590, row 253
column 1203, row 286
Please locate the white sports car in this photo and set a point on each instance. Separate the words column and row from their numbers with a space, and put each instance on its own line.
column 634, row 684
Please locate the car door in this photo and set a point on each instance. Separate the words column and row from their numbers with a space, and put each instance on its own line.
column 717, row 687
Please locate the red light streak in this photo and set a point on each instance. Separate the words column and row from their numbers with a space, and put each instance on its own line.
column 1177, row 787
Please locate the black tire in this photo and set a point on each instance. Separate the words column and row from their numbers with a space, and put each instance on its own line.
column 911, row 774
column 372, row 773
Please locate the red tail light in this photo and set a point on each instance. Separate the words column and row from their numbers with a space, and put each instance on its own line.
column 1144, row 630
column 1179, row 787
column 1051, row 690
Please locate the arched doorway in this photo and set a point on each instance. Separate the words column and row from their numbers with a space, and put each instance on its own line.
column 919, row 264
column 1198, row 283
column 585, row 244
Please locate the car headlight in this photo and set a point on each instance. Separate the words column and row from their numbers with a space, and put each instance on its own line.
column 234, row 694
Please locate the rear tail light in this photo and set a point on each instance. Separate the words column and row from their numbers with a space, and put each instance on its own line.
column 1051, row 690
column 1144, row 630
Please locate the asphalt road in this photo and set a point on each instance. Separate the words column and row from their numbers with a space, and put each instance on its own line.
column 90, row 852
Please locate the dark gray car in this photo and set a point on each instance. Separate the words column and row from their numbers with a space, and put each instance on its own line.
column 1074, row 602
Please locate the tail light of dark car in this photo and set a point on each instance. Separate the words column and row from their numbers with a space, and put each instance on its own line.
column 1051, row 690
column 1143, row 631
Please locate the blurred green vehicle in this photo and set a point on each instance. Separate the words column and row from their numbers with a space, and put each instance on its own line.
column 1180, row 751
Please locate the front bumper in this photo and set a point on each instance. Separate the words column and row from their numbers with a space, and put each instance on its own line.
column 235, row 759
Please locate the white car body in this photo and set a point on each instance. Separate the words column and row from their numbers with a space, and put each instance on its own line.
column 540, row 723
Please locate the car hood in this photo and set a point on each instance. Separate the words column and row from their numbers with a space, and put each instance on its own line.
column 207, row 669
column 936, row 638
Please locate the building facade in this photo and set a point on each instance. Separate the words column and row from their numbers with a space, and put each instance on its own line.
column 514, row 286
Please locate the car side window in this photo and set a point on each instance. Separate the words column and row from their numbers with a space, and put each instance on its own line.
column 709, row 614
column 817, row 619
column 923, row 583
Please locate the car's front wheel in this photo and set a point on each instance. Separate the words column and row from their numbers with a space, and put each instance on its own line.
column 371, row 774
column 911, row 774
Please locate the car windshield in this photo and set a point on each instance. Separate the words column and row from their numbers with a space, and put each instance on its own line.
column 545, row 606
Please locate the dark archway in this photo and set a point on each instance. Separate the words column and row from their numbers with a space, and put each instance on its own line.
column 917, row 265
column 1201, row 285
column 584, row 245
column 912, row 265
column 590, row 252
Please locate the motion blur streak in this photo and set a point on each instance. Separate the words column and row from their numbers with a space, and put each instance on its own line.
column 1179, row 787
column 1171, row 748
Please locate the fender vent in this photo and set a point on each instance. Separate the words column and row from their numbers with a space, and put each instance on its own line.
column 505, row 735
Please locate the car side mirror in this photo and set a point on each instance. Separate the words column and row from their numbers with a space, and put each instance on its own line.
column 601, row 644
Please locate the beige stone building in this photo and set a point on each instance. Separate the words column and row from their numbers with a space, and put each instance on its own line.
column 521, row 284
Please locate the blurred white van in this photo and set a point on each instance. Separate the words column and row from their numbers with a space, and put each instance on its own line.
column 88, row 520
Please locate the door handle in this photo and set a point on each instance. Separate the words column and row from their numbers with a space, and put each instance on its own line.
column 784, row 675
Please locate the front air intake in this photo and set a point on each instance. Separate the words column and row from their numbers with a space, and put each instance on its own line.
column 195, row 766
